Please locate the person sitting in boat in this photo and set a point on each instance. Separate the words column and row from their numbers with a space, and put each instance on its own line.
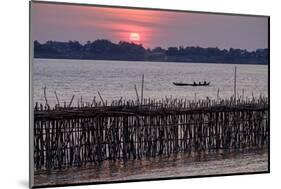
column 205, row 82
column 194, row 83
column 199, row 82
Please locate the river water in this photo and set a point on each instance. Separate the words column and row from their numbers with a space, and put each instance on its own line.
column 181, row 165
column 115, row 79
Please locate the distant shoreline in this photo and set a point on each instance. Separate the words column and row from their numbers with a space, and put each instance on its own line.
column 103, row 49
column 168, row 62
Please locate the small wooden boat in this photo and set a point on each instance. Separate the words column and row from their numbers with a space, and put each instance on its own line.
column 192, row 84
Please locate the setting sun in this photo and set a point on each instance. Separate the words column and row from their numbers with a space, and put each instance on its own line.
column 134, row 37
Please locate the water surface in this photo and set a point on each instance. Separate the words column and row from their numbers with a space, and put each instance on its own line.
column 115, row 79
column 181, row 165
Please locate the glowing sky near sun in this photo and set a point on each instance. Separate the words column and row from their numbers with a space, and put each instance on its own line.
column 149, row 27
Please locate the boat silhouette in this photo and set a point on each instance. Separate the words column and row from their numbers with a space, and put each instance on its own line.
column 192, row 84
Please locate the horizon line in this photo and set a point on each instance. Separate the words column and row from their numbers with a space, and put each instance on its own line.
column 140, row 44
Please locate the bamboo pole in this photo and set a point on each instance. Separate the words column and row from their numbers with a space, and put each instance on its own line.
column 142, row 85
column 45, row 96
column 58, row 102
column 101, row 98
column 235, row 84
column 137, row 94
column 69, row 105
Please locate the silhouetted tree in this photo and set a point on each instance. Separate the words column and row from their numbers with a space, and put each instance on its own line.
column 103, row 49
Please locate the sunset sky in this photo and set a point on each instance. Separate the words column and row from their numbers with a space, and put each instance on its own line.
column 151, row 28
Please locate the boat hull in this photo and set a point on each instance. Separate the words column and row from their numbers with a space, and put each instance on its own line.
column 189, row 84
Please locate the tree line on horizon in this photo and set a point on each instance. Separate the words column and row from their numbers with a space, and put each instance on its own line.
column 103, row 49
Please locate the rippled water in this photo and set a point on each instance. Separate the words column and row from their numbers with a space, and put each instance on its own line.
column 115, row 79
column 180, row 165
